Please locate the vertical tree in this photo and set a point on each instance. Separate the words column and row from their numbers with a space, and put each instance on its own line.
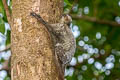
column 33, row 55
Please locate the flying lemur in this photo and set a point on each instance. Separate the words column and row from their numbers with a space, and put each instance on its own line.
column 62, row 37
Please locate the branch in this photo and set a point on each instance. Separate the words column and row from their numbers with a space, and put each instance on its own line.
column 94, row 19
column 8, row 47
column 7, row 11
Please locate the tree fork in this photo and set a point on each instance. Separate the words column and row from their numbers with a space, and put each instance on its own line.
column 33, row 55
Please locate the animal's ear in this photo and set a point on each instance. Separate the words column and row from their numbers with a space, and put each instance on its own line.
column 66, row 19
column 62, row 15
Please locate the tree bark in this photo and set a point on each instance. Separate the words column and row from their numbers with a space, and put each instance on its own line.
column 33, row 55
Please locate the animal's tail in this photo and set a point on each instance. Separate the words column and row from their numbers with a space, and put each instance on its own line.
column 38, row 17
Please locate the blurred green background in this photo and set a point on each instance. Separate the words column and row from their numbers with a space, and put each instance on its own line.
column 96, row 27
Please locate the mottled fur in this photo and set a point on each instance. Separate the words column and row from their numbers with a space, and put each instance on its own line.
column 64, row 41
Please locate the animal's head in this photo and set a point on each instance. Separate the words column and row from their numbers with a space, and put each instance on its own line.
column 66, row 19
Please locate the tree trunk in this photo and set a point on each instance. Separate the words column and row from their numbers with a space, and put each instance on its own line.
column 33, row 55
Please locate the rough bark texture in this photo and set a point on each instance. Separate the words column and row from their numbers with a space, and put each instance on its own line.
column 33, row 55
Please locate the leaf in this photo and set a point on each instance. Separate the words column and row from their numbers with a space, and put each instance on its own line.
column 2, row 26
column 2, row 10
column 68, row 3
column 8, row 37
column 1, row 7
column 7, row 78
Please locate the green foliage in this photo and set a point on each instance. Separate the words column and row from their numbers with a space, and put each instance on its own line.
column 2, row 60
column 2, row 11
column 109, row 41
column 2, row 26
column 8, row 37
column 103, row 37
column 7, row 78
column 68, row 3
column 4, row 34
